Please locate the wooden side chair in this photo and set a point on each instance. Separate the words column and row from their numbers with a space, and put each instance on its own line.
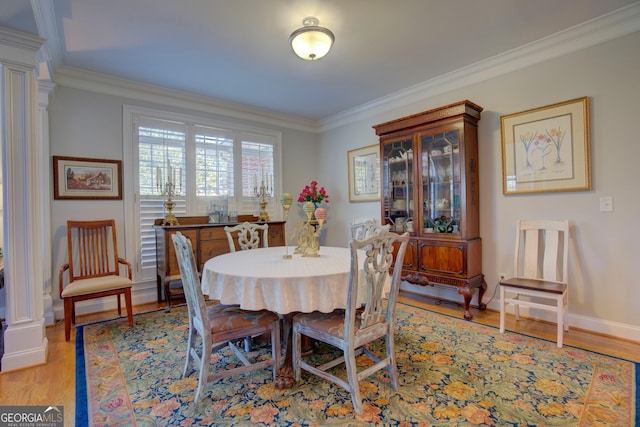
column 93, row 268
column 352, row 329
column 362, row 229
column 540, row 271
column 219, row 325
column 247, row 236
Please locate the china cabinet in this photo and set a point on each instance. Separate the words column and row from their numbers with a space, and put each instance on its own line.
column 430, row 189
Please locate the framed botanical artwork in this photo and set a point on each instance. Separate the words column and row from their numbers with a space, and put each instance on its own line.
column 364, row 174
column 546, row 149
column 77, row 178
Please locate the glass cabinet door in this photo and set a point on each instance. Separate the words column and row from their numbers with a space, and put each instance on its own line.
column 397, row 169
column 441, row 184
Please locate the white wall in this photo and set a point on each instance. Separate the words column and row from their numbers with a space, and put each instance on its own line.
column 604, row 249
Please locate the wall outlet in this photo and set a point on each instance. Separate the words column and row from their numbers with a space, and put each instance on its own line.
column 606, row 204
column 502, row 276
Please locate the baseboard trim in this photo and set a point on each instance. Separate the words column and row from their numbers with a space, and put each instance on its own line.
column 590, row 324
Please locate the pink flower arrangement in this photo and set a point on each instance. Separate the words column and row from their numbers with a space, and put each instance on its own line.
column 311, row 193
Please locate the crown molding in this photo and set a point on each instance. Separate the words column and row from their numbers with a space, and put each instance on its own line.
column 101, row 83
column 20, row 39
column 51, row 51
column 607, row 27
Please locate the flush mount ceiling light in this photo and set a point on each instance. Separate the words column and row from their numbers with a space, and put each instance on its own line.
column 311, row 41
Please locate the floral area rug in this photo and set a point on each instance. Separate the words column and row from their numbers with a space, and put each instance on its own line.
column 452, row 373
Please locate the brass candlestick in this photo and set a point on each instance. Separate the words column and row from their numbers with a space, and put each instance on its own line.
column 262, row 192
column 285, row 200
column 169, row 190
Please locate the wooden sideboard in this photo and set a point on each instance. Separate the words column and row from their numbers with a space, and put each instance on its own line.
column 208, row 240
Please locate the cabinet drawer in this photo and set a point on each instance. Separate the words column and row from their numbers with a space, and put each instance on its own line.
column 409, row 261
column 439, row 257
column 173, row 269
column 212, row 248
column 213, row 233
column 276, row 235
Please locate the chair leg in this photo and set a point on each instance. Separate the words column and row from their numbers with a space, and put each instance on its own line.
column 352, row 376
column 296, row 353
column 502, row 308
column 190, row 342
column 565, row 310
column 167, row 294
column 275, row 348
column 68, row 310
column 127, row 300
column 119, row 306
column 560, row 311
column 391, row 354
column 203, row 375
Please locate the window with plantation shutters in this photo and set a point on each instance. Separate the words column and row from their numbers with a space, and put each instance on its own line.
column 203, row 161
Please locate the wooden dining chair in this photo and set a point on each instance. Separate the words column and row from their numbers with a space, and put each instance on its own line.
column 362, row 229
column 93, row 268
column 247, row 236
column 219, row 325
column 353, row 328
column 540, row 271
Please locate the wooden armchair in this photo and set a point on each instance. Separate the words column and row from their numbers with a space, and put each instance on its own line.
column 93, row 268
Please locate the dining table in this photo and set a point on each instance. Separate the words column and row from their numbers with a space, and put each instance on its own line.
column 265, row 278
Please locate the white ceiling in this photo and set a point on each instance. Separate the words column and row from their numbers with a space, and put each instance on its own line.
column 237, row 50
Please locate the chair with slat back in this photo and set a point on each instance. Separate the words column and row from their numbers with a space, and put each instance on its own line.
column 247, row 236
column 540, row 271
column 93, row 268
column 351, row 329
column 219, row 325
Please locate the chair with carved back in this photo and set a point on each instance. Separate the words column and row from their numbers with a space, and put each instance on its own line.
column 219, row 325
column 353, row 328
column 94, row 268
column 247, row 235
column 540, row 272
column 363, row 228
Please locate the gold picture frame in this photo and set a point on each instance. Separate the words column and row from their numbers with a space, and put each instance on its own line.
column 364, row 174
column 78, row 178
column 546, row 149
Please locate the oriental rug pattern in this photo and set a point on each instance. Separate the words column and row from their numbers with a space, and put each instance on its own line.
column 452, row 373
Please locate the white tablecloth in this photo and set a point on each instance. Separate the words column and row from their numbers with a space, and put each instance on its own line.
column 262, row 279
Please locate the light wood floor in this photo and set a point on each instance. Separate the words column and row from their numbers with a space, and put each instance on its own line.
column 54, row 382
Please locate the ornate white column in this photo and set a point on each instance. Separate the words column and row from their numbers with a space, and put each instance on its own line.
column 45, row 88
column 25, row 341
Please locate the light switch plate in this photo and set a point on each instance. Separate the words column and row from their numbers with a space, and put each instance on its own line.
column 606, row 204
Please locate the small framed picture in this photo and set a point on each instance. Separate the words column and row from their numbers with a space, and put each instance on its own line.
column 76, row 178
column 364, row 174
column 547, row 149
